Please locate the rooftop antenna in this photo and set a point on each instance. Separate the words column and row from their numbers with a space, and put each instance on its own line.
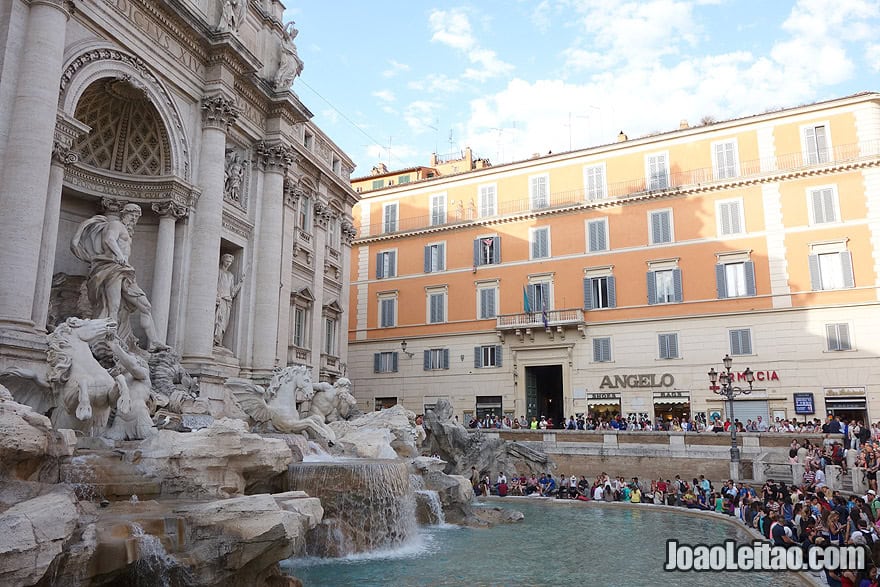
column 451, row 141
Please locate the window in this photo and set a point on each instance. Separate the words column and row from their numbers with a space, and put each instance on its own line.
column 487, row 251
column 305, row 216
column 724, row 159
column 487, row 302
column 668, row 345
column 823, row 205
column 539, row 194
column 438, row 209
column 387, row 311
column 378, row 184
column 831, row 270
column 594, row 182
column 657, row 171
column 741, row 342
column 386, row 264
column 330, row 336
column 308, row 140
column 389, row 218
column 602, row 349
column 540, row 238
column 336, row 165
column 838, row 337
column 488, row 201
column 383, row 403
column 436, row 306
column 660, row 222
column 299, row 326
column 729, row 216
column 735, row 280
column 436, row 359
column 599, row 292
column 597, row 235
column 664, row 286
column 487, row 356
column 403, row 179
column 385, row 362
column 816, row 144
column 540, row 296
column 435, row 257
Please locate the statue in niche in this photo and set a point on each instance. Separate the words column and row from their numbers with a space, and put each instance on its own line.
column 227, row 289
column 233, row 176
column 291, row 65
column 231, row 15
column 104, row 242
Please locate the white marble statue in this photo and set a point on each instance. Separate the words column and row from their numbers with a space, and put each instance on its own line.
column 104, row 242
column 291, row 65
column 136, row 423
column 275, row 407
column 231, row 15
column 333, row 402
column 233, row 176
column 227, row 289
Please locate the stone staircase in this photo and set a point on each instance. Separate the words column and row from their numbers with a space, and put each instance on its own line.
column 101, row 473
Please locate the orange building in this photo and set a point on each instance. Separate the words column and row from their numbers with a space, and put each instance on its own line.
column 609, row 280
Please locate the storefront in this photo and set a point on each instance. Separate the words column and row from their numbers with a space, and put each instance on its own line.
column 488, row 405
column 847, row 402
column 669, row 405
column 603, row 405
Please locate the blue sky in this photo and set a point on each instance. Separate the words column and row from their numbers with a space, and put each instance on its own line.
column 397, row 81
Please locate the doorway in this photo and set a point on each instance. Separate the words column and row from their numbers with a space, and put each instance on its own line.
column 544, row 393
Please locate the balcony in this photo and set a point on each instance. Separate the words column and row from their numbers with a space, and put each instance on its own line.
column 674, row 181
column 552, row 322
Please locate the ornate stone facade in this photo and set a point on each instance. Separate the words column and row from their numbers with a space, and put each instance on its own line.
column 203, row 131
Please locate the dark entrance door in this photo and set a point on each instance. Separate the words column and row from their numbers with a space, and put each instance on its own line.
column 544, row 393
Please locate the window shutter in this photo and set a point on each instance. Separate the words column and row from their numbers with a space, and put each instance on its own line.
column 749, row 270
column 815, row 275
column 588, row 293
column 726, row 219
column 427, row 360
column 735, row 346
column 818, row 208
column 666, row 230
column 673, row 346
column 652, row 288
column 392, row 264
column 441, row 256
column 496, row 250
column 720, row 280
column 821, row 151
column 533, row 298
column 498, row 354
column 544, row 242
column 377, row 362
column 597, row 351
column 597, row 235
column 843, row 337
column 661, row 340
column 428, row 258
column 394, row 361
column 446, row 358
column 810, row 140
column 380, row 266
column 478, row 357
column 476, row 252
column 612, row 292
column 490, row 302
column 746, row 341
column 656, row 228
column 676, row 285
column 847, row 269
column 735, row 217
column 605, row 344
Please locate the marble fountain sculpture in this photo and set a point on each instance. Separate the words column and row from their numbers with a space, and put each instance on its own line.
column 114, row 472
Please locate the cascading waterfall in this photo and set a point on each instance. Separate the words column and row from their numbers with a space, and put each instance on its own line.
column 150, row 564
column 368, row 505
column 429, row 509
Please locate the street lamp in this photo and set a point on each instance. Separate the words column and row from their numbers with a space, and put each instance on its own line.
column 722, row 384
column 403, row 348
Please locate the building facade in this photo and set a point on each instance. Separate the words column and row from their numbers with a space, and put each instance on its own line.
column 185, row 109
column 610, row 280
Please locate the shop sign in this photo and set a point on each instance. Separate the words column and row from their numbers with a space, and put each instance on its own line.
column 637, row 381
column 672, row 394
column 844, row 391
column 804, row 404
column 595, row 396
column 759, row 375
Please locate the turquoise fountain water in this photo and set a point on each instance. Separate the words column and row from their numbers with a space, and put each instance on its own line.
column 557, row 544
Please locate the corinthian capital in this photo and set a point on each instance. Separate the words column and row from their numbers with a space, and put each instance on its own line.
column 218, row 111
column 276, row 157
column 63, row 153
column 170, row 208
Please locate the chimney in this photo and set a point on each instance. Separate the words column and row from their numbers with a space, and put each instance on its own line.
column 622, row 137
column 683, row 124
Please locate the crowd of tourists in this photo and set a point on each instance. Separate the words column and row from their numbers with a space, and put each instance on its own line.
column 851, row 431
column 802, row 514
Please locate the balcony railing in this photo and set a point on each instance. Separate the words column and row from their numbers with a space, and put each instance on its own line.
column 549, row 319
column 676, row 180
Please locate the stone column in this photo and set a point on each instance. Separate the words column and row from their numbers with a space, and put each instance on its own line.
column 218, row 113
column 163, row 267
column 24, row 185
column 67, row 130
column 275, row 160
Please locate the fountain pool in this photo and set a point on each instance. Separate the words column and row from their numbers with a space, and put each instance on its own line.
column 557, row 544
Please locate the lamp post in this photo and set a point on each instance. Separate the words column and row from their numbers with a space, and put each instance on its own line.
column 722, row 384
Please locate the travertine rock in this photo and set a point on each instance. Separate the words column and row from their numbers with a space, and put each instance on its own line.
column 32, row 534
column 220, row 460
column 373, row 434
column 26, row 441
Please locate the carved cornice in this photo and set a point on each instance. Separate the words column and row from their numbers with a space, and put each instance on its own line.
column 146, row 190
column 276, row 157
column 67, row 131
column 219, row 112
column 63, row 154
column 292, row 192
column 170, row 208
column 237, row 225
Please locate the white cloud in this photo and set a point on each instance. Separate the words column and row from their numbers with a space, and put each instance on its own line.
column 453, row 28
column 395, row 68
column 872, row 56
column 435, row 83
column 385, row 95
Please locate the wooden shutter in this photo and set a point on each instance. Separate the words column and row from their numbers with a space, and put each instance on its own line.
column 612, row 291
column 815, row 274
column 478, row 357
column 676, row 285
column 377, row 362
column 652, row 288
column 427, row 361
column 477, row 244
column 428, row 253
column 749, row 270
column 498, row 353
column 380, row 266
column 847, row 269
column 496, row 249
column 588, row 293
column 445, row 364
column 721, row 280
column 394, row 361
